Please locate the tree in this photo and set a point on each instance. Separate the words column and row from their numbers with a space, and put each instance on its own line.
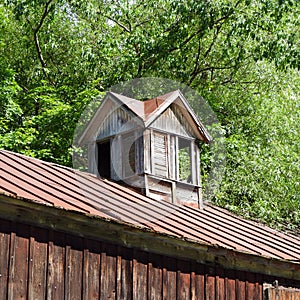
column 241, row 56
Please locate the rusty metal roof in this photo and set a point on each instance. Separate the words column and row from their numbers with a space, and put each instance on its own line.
column 144, row 109
column 52, row 184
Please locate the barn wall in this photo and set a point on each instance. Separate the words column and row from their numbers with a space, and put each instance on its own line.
column 38, row 263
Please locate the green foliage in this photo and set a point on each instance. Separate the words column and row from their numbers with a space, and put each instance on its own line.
column 263, row 152
column 241, row 56
column 184, row 164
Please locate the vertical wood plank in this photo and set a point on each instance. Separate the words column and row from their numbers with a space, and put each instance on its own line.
column 253, row 290
column 155, row 277
column 108, row 271
column 4, row 257
column 139, row 150
column 12, row 252
column 198, row 281
column 176, row 159
column 183, row 280
column 116, row 158
column 125, row 276
column 73, row 270
column 259, row 286
column 91, row 270
column 169, row 154
column 210, row 284
column 92, row 159
column 241, row 286
column 18, row 281
column 169, row 278
column 38, row 263
column 119, row 274
column 198, row 170
column 220, row 284
column 152, row 152
column 193, row 288
column 147, row 151
column 230, row 284
column 172, row 157
column 56, row 266
column 193, row 162
column 140, row 275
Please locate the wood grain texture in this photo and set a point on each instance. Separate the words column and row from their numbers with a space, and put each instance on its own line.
column 37, row 263
column 183, row 280
column 198, row 281
column 125, row 274
column 140, row 273
column 169, row 278
column 73, row 270
column 91, row 270
column 56, row 266
column 18, row 280
column 220, row 283
column 210, row 284
column 155, row 277
column 4, row 258
column 108, row 271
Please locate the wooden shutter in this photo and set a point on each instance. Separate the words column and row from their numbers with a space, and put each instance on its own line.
column 160, row 154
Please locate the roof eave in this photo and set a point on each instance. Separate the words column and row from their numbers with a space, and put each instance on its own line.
column 88, row 131
column 202, row 132
column 18, row 209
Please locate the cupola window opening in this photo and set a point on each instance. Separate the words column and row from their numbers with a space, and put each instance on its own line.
column 184, row 160
column 173, row 158
column 118, row 157
column 103, row 158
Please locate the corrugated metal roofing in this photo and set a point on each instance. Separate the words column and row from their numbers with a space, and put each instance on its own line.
column 63, row 187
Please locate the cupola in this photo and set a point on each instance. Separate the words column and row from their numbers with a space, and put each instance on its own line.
column 151, row 145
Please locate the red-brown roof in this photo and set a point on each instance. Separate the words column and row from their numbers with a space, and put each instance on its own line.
column 144, row 109
column 52, row 184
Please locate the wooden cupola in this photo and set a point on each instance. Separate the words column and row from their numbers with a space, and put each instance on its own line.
column 151, row 145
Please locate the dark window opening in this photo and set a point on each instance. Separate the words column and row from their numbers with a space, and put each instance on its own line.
column 184, row 160
column 104, row 159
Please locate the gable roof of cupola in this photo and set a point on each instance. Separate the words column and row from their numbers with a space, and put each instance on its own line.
column 147, row 112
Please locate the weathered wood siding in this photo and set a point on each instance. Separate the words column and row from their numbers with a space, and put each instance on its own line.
column 37, row 263
column 117, row 121
column 159, row 154
column 172, row 121
column 275, row 292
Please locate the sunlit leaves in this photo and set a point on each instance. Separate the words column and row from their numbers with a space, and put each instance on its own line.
column 242, row 56
column 263, row 169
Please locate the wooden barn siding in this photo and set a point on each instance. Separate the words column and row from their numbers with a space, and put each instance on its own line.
column 37, row 263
